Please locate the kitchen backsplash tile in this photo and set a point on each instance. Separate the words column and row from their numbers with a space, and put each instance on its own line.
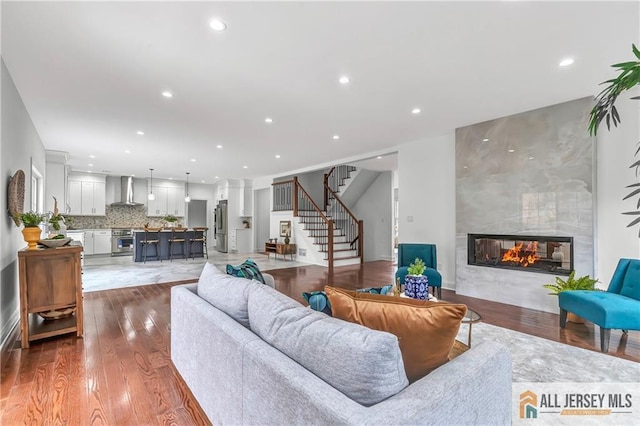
column 117, row 217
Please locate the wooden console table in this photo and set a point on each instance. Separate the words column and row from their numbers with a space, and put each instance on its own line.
column 50, row 279
column 279, row 248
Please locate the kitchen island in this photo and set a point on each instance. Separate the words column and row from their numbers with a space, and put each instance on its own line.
column 180, row 251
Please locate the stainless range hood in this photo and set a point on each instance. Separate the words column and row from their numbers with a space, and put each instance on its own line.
column 126, row 194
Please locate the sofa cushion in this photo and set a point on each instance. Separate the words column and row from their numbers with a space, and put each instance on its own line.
column 631, row 283
column 426, row 330
column 225, row 292
column 364, row 364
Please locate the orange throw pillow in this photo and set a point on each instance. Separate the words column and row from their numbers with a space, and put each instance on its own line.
column 425, row 330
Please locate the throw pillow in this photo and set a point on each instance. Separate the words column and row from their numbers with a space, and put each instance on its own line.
column 426, row 330
column 318, row 301
column 248, row 269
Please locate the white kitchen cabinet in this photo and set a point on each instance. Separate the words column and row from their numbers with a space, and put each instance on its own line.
column 240, row 240
column 246, row 201
column 175, row 201
column 97, row 241
column 168, row 200
column 88, row 242
column 87, row 195
column 102, row 241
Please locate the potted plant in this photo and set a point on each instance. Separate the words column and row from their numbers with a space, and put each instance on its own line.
column 571, row 283
column 605, row 109
column 56, row 221
column 31, row 231
column 416, row 285
column 171, row 220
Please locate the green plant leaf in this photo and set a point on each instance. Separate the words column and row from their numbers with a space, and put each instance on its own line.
column 635, row 51
column 634, row 222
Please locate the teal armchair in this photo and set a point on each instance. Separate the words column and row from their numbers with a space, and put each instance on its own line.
column 618, row 307
column 407, row 253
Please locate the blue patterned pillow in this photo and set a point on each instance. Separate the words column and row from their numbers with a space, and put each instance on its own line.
column 318, row 301
column 248, row 269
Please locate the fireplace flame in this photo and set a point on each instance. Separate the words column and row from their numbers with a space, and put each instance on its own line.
column 525, row 257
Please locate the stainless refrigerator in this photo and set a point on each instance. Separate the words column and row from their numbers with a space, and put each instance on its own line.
column 222, row 231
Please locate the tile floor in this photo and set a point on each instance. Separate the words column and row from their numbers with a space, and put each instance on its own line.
column 101, row 272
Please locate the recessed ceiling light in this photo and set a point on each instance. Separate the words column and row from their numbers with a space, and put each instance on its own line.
column 336, row 137
column 379, row 157
column 566, row 62
column 465, row 167
column 92, row 156
column 202, row 181
column 485, row 140
column 219, row 146
column 512, row 150
column 193, row 160
column 126, row 151
column 277, row 155
column 167, row 94
column 89, row 171
column 344, row 80
column 140, row 132
column 415, row 111
column 216, row 177
column 170, row 178
column 90, row 165
column 217, row 25
column 268, row 120
column 245, row 167
column 531, row 158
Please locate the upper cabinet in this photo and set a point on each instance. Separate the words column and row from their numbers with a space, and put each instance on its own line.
column 86, row 195
column 169, row 200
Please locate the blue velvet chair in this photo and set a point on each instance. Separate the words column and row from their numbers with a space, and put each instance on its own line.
column 407, row 253
column 618, row 307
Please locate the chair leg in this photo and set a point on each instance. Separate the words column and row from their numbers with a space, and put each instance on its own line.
column 605, row 333
column 563, row 318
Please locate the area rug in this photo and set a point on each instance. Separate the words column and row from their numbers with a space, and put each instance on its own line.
column 540, row 360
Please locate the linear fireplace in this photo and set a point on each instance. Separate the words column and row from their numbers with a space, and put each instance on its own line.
column 547, row 255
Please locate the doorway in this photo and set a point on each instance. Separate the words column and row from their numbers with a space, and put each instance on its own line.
column 197, row 213
column 262, row 217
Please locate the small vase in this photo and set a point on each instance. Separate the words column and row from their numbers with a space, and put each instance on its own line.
column 557, row 255
column 416, row 286
column 32, row 235
column 286, row 240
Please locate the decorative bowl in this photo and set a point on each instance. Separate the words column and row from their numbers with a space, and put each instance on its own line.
column 55, row 243
column 55, row 314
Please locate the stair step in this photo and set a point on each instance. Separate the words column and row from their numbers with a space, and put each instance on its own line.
column 343, row 258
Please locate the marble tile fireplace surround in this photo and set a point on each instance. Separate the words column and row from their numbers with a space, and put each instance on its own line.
column 529, row 174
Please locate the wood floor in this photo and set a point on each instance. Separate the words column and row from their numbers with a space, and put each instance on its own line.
column 120, row 373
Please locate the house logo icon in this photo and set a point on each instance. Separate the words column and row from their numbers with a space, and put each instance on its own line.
column 528, row 405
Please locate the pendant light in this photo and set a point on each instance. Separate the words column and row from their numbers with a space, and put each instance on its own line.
column 151, row 196
column 187, row 199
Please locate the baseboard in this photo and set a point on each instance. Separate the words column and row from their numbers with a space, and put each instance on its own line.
column 7, row 344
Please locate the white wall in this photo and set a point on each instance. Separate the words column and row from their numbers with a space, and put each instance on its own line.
column 615, row 151
column 427, row 193
column 20, row 146
column 375, row 208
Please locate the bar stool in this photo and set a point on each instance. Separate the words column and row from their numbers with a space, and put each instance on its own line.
column 151, row 238
column 178, row 238
column 202, row 239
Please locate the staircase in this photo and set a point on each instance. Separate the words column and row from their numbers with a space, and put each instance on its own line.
column 334, row 230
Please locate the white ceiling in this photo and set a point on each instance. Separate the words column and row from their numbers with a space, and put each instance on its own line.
column 91, row 75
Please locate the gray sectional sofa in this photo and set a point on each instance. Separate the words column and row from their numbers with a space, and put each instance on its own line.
column 251, row 355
